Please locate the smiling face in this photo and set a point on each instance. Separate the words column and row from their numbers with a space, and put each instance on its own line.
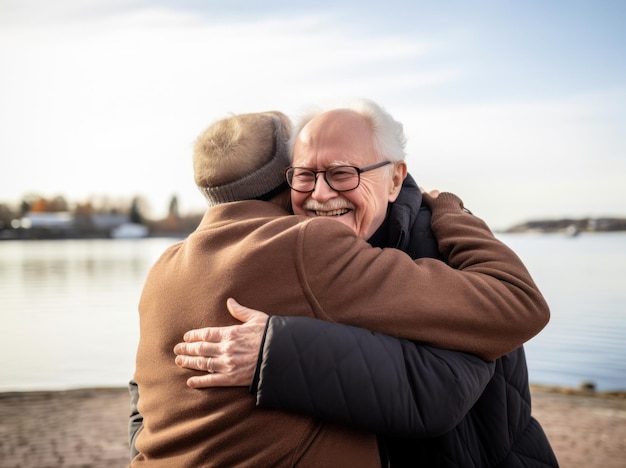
column 342, row 137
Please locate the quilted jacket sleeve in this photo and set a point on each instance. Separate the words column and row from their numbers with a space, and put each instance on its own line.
column 369, row 380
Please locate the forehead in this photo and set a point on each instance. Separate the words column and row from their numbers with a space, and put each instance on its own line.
column 335, row 138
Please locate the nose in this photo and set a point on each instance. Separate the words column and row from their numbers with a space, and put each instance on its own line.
column 322, row 191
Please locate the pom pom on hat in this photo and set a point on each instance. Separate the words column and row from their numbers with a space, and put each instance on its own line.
column 242, row 157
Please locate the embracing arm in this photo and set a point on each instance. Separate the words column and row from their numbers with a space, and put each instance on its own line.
column 368, row 380
column 490, row 306
column 483, row 301
column 338, row 372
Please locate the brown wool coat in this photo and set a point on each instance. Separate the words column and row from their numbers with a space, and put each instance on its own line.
column 484, row 302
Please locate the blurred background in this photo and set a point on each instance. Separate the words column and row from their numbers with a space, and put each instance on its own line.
column 518, row 107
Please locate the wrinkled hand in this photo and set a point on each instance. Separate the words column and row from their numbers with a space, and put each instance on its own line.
column 229, row 354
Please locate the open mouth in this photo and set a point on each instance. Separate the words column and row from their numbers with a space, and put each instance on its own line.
column 339, row 212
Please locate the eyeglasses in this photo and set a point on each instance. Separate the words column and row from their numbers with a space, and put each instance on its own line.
column 338, row 178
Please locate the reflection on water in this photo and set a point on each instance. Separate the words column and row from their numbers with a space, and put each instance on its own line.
column 68, row 310
column 53, row 260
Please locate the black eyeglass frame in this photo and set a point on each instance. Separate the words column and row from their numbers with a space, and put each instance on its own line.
column 359, row 171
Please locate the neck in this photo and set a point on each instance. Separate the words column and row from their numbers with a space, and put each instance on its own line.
column 282, row 199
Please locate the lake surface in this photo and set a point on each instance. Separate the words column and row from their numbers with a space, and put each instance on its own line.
column 583, row 279
column 68, row 310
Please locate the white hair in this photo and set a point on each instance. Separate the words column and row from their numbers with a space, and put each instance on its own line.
column 387, row 133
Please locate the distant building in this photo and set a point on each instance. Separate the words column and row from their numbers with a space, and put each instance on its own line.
column 130, row 231
column 107, row 221
column 59, row 225
column 55, row 221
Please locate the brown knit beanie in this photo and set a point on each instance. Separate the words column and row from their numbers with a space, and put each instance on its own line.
column 243, row 157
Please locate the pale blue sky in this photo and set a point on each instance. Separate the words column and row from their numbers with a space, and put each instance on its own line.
column 519, row 107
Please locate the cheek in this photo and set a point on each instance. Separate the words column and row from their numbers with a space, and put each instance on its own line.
column 369, row 204
column 371, row 212
column 365, row 211
column 297, row 201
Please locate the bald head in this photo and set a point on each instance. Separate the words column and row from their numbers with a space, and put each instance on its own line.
column 335, row 128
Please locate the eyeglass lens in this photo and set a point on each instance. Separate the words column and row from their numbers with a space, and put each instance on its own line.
column 340, row 178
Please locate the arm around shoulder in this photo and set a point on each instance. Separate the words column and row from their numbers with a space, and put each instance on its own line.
column 483, row 301
column 467, row 244
column 367, row 380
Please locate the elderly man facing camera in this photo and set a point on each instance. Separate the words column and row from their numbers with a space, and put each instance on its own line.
column 498, row 430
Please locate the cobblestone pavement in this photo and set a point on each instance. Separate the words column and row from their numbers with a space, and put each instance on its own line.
column 87, row 428
column 586, row 431
column 78, row 428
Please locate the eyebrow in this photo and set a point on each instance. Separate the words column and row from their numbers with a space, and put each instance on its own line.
column 333, row 164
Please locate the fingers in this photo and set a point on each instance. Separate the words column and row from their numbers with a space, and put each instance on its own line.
column 228, row 355
column 201, row 363
column 197, row 348
column 210, row 380
column 242, row 313
column 202, row 381
column 216, row 334
column 203, row 334
column 233, row 378
column 216, row 373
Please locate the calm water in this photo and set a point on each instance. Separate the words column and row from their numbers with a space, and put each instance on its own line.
column 68, row 310
column 584, row 281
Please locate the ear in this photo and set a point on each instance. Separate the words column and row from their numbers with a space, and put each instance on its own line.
column 397, row 177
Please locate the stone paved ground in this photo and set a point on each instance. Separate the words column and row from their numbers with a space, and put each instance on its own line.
column 585, row 430
column 79, row 428
column 87, row 428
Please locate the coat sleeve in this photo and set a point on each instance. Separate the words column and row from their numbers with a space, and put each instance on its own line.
column 369, row 380
column 481, row 300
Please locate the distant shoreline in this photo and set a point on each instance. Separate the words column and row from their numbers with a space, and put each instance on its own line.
column 542, row 227
column 185, row 226
column 569, row 226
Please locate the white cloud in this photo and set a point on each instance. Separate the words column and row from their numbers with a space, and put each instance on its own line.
column 108, row 97
column 98, row 103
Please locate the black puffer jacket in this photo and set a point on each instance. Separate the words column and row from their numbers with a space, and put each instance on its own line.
column 401, row 390
column 369, row 380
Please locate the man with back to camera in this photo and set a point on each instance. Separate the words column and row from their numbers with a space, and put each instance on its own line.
column 179, row 290
column 498, row 431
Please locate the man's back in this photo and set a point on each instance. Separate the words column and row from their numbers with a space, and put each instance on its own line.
column 246, row 257
column 319, row 268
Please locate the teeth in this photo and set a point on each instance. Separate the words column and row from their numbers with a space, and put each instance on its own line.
column 339, row 212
